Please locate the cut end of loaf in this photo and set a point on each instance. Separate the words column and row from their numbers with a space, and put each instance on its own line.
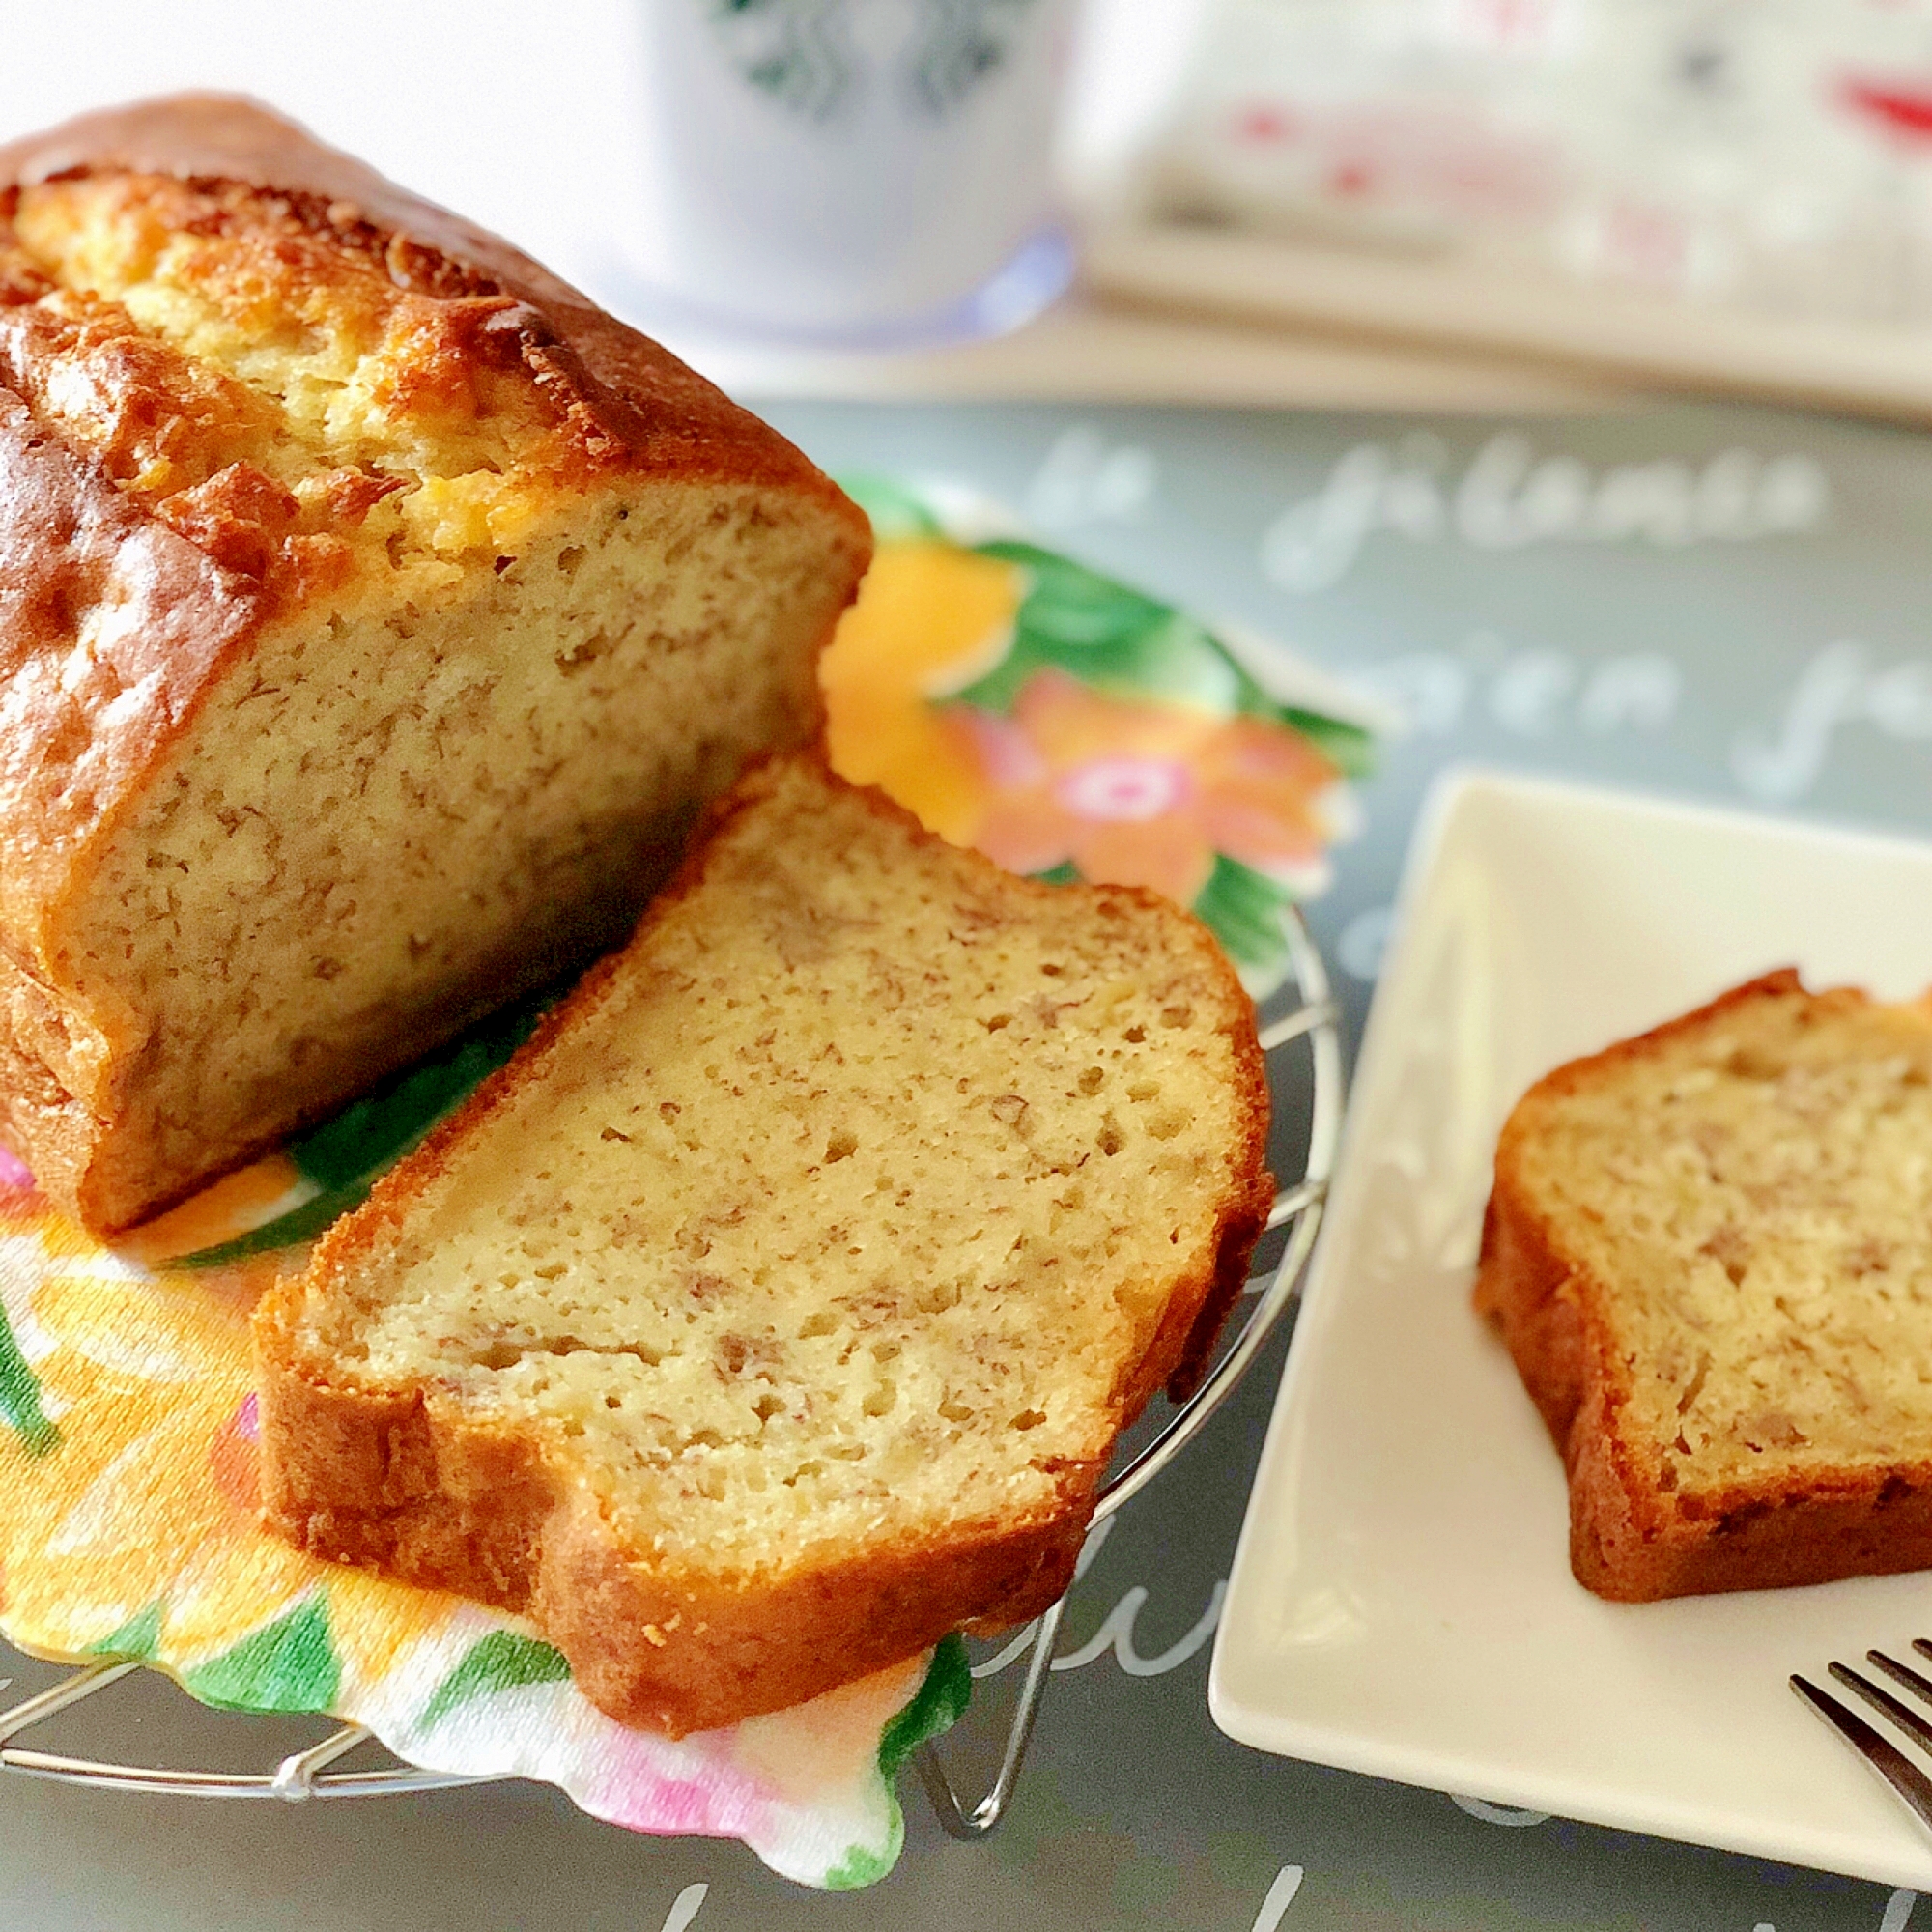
column 1710, row 1251
column 390, row 612
column 817, row 1253
column 391, row 821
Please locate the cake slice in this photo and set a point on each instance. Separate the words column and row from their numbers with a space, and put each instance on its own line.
column 376, row 616
column 1709, row 1252
column 775, row 1311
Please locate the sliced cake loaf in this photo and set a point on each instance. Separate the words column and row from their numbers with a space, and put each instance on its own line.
column 1709, row 1252
column 777, row 1310
column 375, row 614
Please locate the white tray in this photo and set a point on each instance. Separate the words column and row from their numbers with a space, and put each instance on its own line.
column 1402, row 1601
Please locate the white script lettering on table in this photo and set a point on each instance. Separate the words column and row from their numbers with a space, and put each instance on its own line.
column 1117, row 1628
column 1528, row 693
column 1508, row 498
column 684, row 1907
column 1086, row 479
column 1839, row 687
column 1513, row 1817
column 1280, row 1897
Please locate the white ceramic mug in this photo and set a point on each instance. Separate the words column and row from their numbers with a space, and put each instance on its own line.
column 866, row 170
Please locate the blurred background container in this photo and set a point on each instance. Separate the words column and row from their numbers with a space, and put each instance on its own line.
column 1775, row 155
column 876, row 170
column 1724, row 194
column 1474, row 203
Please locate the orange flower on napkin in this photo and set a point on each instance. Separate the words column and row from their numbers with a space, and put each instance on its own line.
column 1146, row 794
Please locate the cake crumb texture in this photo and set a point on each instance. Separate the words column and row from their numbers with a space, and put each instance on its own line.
column 803, row 1270
column 1710, row 1250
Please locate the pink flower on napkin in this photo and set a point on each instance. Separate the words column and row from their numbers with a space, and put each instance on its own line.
column 1137, row 792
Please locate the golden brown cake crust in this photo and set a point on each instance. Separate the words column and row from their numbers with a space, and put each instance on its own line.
column 450, row 1505
column 404, row 1483
column 122, row 610
column 1631, row 1539
column 76, row 747
column 625, row 390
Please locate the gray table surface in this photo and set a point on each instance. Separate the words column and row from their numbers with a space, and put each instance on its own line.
column 1727, row 605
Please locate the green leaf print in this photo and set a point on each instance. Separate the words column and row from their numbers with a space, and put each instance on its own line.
column 499, row 1662
column 859, row 1868
column 345, row 1156
column 1075, row 621
column 140, row 1636
column 1075, row 607
column 366, row 1137
column 288, row 1665
column 21, row 1398
column 1132, row 645
column 1242, row 908
column 1348, row 748
column 898, row 514
column 937, row 1705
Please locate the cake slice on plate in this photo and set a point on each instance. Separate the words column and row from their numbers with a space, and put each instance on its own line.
column 1709, row 1252
column 777, row 1310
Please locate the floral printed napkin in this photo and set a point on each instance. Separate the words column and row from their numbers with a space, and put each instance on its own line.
column 128, row 1528
column 1072, row 727
column 1011, row 697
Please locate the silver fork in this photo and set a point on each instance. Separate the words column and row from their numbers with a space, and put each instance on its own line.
column 1885, row 1757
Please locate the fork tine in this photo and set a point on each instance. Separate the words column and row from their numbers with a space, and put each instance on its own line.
column 1903, row 1673
column 1912, row 1722
column 1884, row 1756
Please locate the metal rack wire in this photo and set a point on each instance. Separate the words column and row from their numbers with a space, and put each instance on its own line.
column 1311, row 1025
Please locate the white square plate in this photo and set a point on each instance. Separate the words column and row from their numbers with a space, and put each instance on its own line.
column 1402, row 1601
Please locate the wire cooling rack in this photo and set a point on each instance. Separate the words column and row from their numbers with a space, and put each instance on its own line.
column 1308, row 1025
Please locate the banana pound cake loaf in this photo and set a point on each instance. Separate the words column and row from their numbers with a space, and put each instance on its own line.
column 375, row 616
column 1709, row 1252
column 775, row 1312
